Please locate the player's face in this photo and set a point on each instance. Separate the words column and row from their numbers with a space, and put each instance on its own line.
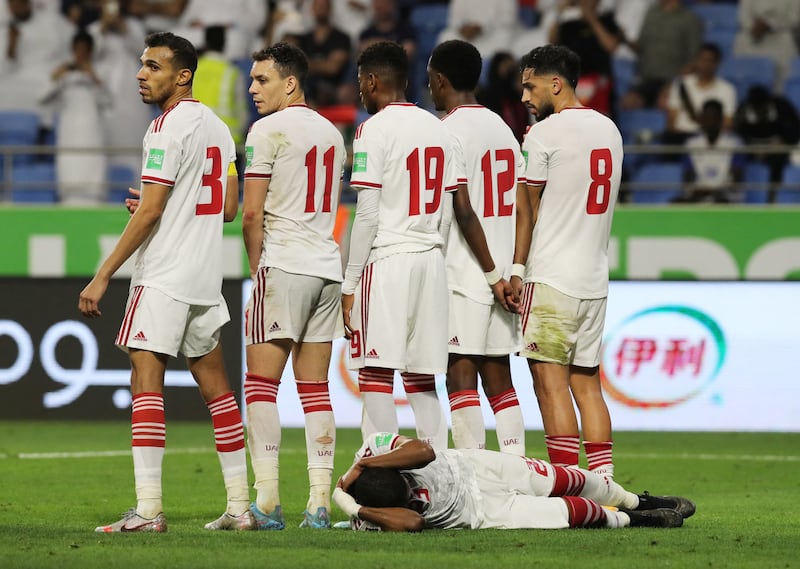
column 267, row 87
column 537, row 94
column 158, row 79
column 436, row 89
column 366, row 90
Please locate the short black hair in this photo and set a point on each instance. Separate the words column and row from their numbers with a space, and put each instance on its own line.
column 184, row 55
column 83, row 37
column 215, row 38
column 713, row 48
column 555, row 59
column 460, row 62
column 387, row 59
column 288, row 59
column 380, row 488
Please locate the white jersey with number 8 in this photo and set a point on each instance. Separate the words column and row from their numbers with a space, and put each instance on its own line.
column 577, row 155
column 190, row 149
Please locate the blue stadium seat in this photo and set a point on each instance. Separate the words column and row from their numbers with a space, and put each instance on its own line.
column 723, row 38
column 789, row 192
column 639, row 126
column 34, row 183
column 656, row 183
column 757, row 175
column 19, row 128
column 624, row 71
column 791, row 90
column 746, row 71
column 718, row 16
column 428, row 21
column 120, row 178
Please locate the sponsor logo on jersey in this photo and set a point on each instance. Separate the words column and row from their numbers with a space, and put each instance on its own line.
column 155, row 160
column 140, row 337
column 453, row 341
column 383, row 439
column 525, row 157
column 275, row 327
column 661, row 357
column 360, row 162
column 532, row 347
column 248, row 153
column 372, row 354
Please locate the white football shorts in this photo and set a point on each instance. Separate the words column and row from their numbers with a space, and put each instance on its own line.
column 300, row 307
column 158, row 323
column 561, row 329
column 399, row 316
column 481, row 329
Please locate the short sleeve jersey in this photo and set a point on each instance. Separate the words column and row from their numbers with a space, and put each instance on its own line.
column 404, row 152
column 189, row 149
column 488, row 160
column 719, row 89
column 442, row 492
column 302, row 155
column 577, row 155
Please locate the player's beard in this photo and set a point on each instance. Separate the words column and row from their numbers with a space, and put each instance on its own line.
column 544, row 111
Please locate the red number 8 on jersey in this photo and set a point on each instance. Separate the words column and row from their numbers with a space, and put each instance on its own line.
column 600, row 188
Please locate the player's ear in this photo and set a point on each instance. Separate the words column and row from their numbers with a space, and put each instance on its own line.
column 557, row 84
column 291, row 84
column 184, row 77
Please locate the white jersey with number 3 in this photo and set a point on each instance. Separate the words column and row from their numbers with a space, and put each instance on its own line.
column 404, row 152
column 302, row 155
column 189, row 149
column 489, row 162
column 577, row 155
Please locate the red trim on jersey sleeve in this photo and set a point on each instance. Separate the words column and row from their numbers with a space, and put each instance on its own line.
column 462, row 180
column 536, row 182
column 370, row 185
column 521, row 179
column 255, row 175
column 395, row 439
column 154, row 180
column 451, row 188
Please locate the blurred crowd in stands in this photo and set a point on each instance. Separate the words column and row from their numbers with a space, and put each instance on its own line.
column 706, row 93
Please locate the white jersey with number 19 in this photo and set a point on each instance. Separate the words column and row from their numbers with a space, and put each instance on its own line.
column 577, row 155
column 302, row 155
column 489, row 162
column 404, row 152
column 189, row 149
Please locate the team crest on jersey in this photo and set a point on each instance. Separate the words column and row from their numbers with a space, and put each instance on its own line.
column 248, row 153
column 360, row 162
column 155, row 159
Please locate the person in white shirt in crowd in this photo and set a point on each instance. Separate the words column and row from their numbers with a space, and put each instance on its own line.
column 489, row 27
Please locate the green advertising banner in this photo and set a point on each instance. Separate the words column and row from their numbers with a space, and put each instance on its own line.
column 646, row 243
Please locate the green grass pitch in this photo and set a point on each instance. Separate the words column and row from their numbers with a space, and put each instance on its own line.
column 59, row 480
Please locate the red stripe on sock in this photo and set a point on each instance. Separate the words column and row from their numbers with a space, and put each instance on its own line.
column 504, row 400
column 375, row 380
column 598, row 454
column 584, row 513
column 463, row 399
column 314, row 396
column 148, row 425
column 563, row 450
column 418, row 382
column 227, row 421
column 260, row 389
column 568, row 481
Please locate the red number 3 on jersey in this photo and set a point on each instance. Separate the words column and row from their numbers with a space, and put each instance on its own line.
column 213, row 181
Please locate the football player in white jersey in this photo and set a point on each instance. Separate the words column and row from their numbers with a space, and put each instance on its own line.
column 402, row 484
column 402, row 166
column 574, row 165
column 292, row 186
column 188, row 188
column 482, row 333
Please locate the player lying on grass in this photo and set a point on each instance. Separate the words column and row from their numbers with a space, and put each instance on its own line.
column 399, row 483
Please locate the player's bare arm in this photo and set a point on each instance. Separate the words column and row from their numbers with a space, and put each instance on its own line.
column 524, row 233
column 407, row 453
column 255, row 192
column 347, row 307
column 476, row 239
column 139, row 227
column 393, row 519
column 231, row 207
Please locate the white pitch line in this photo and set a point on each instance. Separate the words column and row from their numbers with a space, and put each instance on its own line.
column 113, row 453
column 208, row 450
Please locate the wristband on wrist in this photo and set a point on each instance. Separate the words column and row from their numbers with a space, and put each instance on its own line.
column 346, row 502
column 518, row 270
column 493, row 277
